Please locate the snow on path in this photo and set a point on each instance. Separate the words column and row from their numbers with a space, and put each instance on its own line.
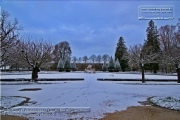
column 100, row 96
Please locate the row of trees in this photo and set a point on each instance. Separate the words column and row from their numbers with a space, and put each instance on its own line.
column 112, row 66
column 31, row 53
column 66, row 65
column 161, row 49
column 25, row 51
column 92, row 59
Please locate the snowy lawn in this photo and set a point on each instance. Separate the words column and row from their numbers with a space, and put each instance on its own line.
column 172, row 103
column 100, row 96
column 81, row 75
column 10, row 101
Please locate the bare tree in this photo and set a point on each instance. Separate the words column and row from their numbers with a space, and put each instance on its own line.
column 177, row 50
column 169, row 38
column 74, row 59
column 85, row 58
column 175, row 55
column 35, row 53
column 9, row 33
column 79, row 60
column 138, row 57
column 61, row 51
column 92, row 58
column 15, row 60
column 134, row 56
column 105, row 58
column 167, row 34
column 99, row 59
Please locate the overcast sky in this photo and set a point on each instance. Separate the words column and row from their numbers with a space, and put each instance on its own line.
column 91, row 27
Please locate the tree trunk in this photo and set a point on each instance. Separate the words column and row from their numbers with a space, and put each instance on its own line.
column 155, row 68
column 166, row 69
column 143, row 80
column 35, row 73
column 170, row 69
column 178, row 74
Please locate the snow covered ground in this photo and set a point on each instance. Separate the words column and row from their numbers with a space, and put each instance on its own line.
column 100, row 96
column 79, row 75
column 10, row 101
column 172, row 103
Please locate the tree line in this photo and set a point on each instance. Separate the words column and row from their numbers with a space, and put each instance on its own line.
column 160, row 50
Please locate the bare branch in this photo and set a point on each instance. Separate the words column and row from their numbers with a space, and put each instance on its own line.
column 8, row 37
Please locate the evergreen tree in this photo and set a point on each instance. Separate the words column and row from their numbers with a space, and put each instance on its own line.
column 121, row 49
column 111, row 65
column 60, row 65
column 152, row 46
column 67, row 65
column 117, row 65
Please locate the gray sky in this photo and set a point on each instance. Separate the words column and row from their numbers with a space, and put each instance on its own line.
column 91, row 27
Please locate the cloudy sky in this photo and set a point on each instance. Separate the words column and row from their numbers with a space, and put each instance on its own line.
column 91, row 27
